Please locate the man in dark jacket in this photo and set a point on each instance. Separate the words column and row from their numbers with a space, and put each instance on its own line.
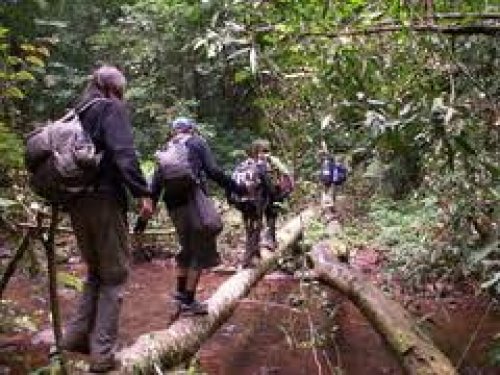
column 98, row 217
column 198, row 250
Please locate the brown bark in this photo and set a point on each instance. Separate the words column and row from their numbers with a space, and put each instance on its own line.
column 171, row 346
column 414, row 349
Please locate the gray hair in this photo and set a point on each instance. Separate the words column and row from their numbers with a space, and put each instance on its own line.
column 108, row 78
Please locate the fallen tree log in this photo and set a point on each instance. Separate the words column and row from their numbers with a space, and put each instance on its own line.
column 166, row 348
column 414, row 349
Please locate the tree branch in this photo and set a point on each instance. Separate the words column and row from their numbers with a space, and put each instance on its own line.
column 464, row 16
column 420, row 28
column 414, row 349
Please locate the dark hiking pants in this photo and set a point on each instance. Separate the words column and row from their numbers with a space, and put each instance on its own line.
column 271, row 213
column 100, row 227
column 253, row 227
column 198, row 250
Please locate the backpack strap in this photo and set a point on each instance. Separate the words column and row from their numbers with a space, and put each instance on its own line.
column 181, row 138
column 89, row 104
column 78, row 111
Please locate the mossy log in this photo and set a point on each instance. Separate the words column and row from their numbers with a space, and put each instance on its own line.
column 416, row 352
column 166, row 348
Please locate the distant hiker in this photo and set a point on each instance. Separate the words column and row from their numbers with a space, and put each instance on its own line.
column 252, row 173
column 325, row 177
column 282, row 187
column 179, row 189
column 333, row 174
column 98, row 217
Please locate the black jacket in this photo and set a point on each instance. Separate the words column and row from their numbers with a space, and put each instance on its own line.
column 109, row 125
column 204, row 166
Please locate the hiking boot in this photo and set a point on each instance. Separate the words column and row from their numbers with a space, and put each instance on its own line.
column 193, row 308
column 269, row 244
column 268, row 240
column 101, row 364
column 75, row 343
column 178, row 296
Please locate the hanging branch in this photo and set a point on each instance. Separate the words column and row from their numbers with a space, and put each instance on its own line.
column 465, row 16
column 491, row 30
column 486, row 24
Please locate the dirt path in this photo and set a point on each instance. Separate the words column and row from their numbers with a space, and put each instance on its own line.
column 265, row 335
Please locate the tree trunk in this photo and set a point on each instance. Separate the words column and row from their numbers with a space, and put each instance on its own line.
column 414, row 349
column 169, row 347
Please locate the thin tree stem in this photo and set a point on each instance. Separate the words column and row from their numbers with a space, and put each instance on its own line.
column 11, row 267
column 54, row 302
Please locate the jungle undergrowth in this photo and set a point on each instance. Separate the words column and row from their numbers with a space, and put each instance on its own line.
column 416, row 241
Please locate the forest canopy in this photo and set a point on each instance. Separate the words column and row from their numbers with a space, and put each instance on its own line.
column 405, row 91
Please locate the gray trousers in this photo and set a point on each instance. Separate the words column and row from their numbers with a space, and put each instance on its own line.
column 198, row 250
column 100, row 227
column 253, row 227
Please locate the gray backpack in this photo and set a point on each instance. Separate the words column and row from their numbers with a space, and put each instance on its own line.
column 176, row 169
column 61, row 157
column 248, row 173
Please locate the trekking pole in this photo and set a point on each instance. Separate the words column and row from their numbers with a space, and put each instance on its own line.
column 54, row 302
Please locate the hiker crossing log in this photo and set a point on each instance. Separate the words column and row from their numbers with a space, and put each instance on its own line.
column 163, row 349
column 414, row 349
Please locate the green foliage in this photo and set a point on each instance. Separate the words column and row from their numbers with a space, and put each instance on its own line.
column 494, row 351
column 316, row 231
column 16, row 75
column 416, row 113
column 404, row 227
column 10, row 148
column 69, row 280
column 421, row 242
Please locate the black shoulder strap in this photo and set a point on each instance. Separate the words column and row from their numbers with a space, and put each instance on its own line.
column 89, row 104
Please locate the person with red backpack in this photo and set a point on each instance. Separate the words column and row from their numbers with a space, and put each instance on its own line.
column 282, row 185
column 253, row 174
column 177, row 185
